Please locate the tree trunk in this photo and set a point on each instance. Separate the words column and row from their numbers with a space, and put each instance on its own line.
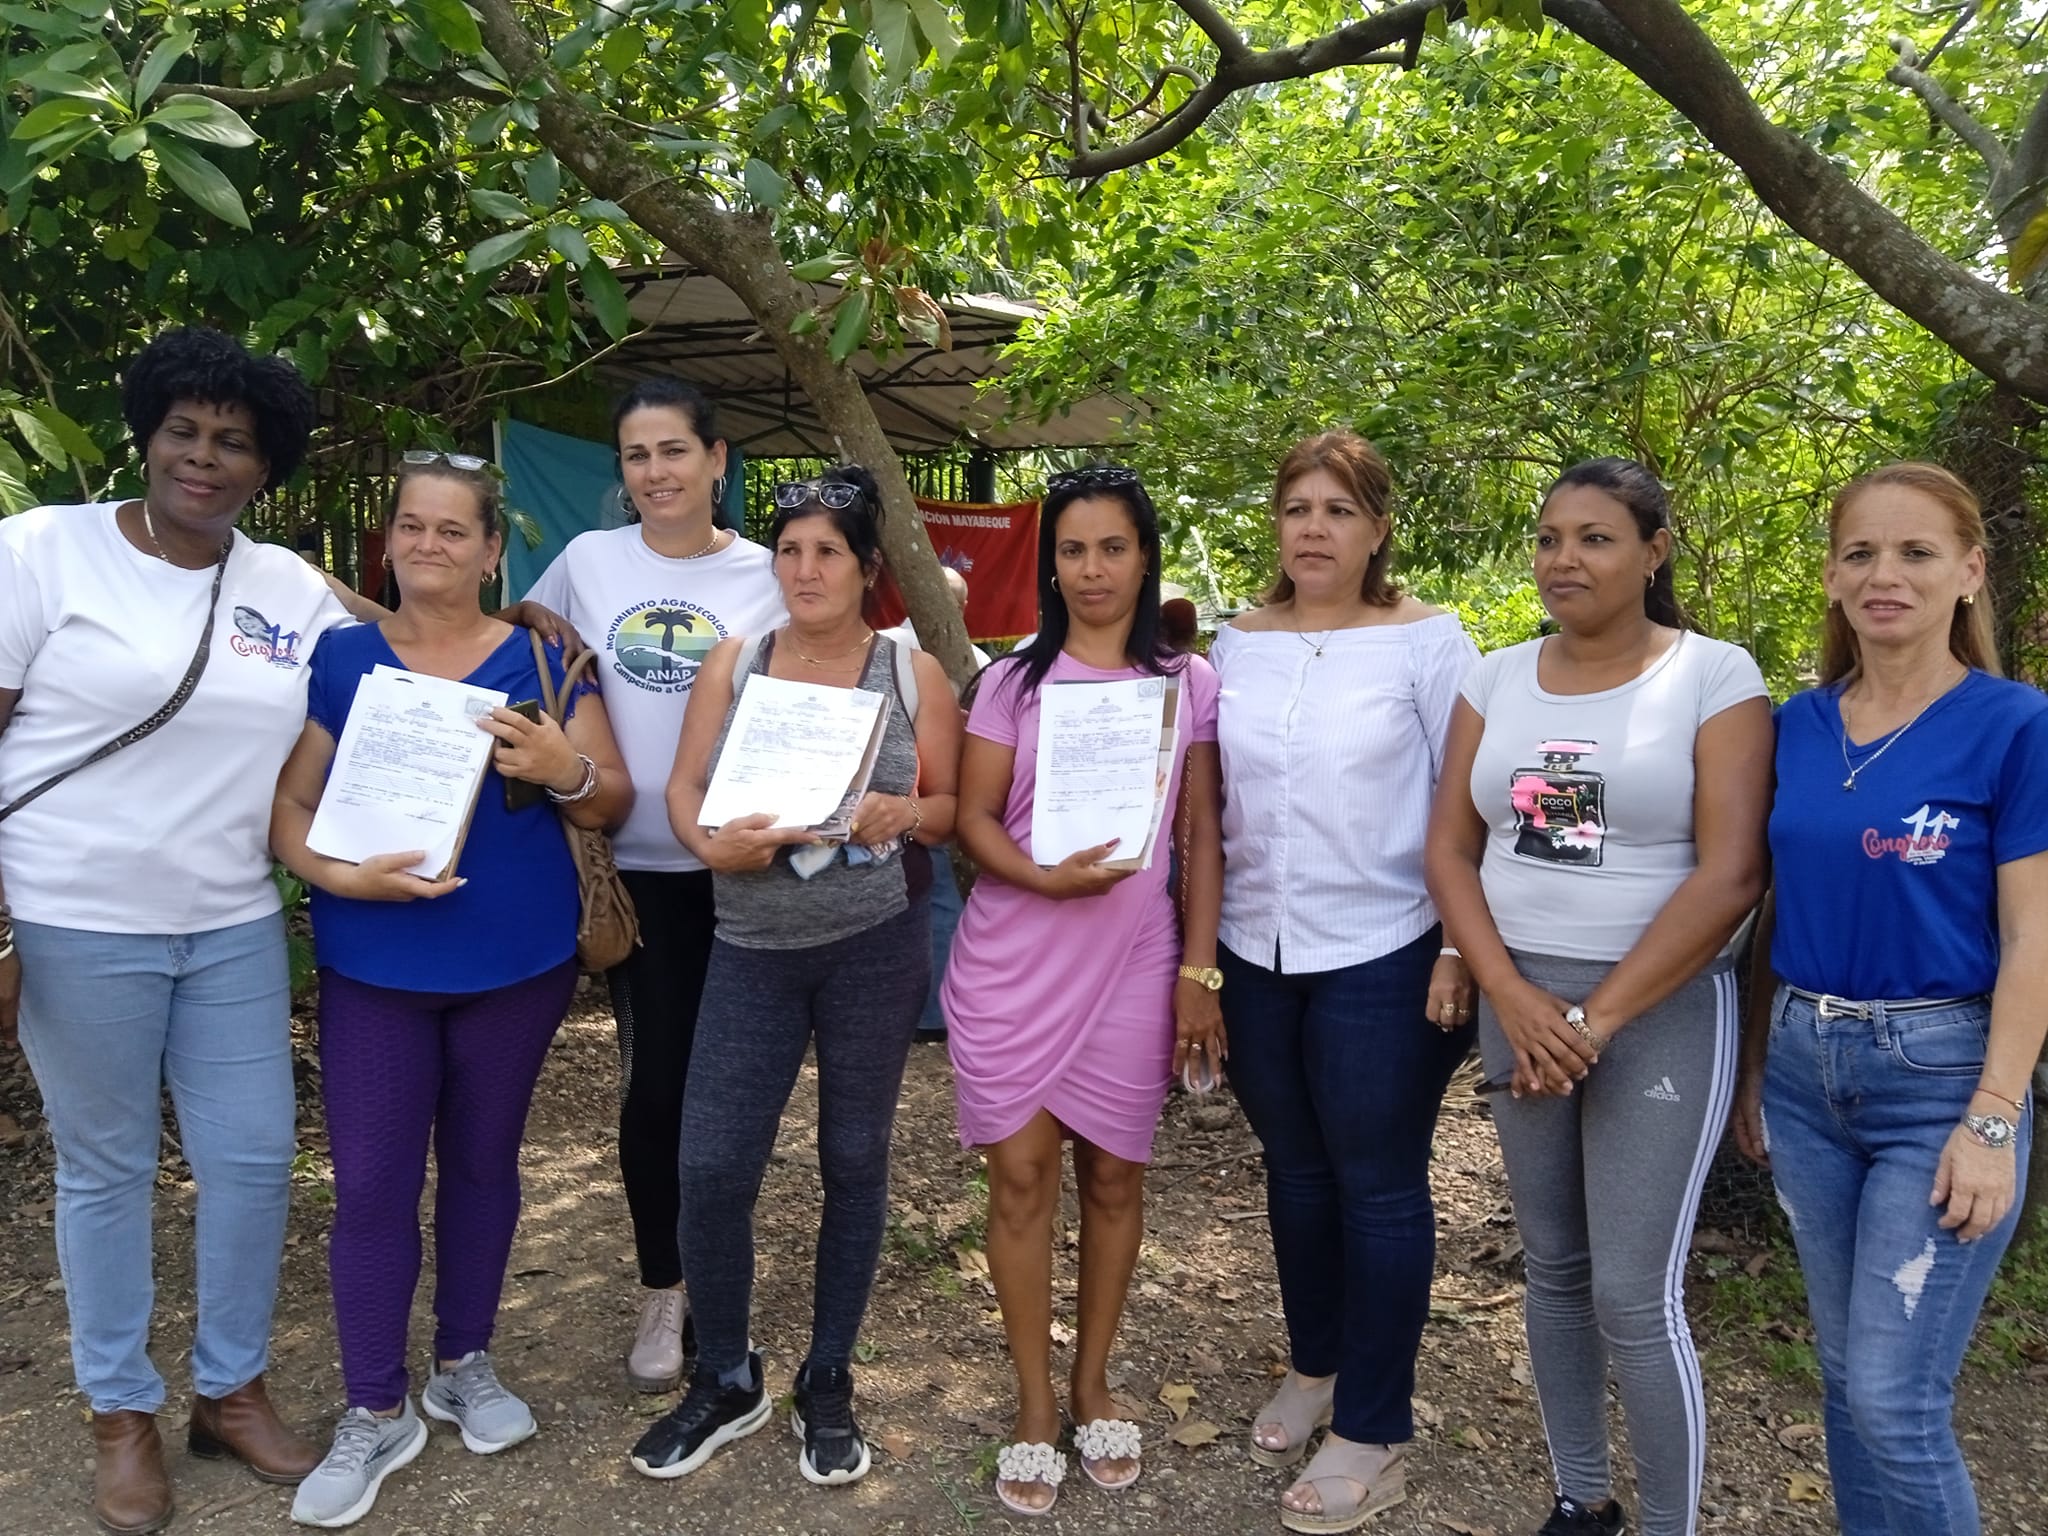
column 1987, row 444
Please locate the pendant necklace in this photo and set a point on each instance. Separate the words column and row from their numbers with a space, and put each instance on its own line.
column 157, row 545
column 1850, row 782
column 1315, row 645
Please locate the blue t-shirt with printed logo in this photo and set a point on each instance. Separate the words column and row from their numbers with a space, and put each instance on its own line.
column 1890, row 889
column 516, row 917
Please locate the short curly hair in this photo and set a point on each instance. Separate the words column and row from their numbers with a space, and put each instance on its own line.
column 211, row 367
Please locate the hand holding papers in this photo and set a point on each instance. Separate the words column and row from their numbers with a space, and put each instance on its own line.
column 1105, row 756
column 798, row 752
column 406, row 771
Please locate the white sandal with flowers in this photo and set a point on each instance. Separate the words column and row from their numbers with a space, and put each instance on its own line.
column 1109, row 1440
column 1029, row 1461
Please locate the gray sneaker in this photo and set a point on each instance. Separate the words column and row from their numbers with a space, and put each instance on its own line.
column 472, row 1398
column 366, row 1450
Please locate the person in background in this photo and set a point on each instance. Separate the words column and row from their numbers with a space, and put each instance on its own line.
column 655, row 596
column 1075, row 992
column 1886, row 1081
column 1598, row 839
column 141, row 937
column 438, row 997
column 835, row 957
column 1179, row 624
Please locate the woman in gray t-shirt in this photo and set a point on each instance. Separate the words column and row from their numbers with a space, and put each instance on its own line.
column 1597, row 839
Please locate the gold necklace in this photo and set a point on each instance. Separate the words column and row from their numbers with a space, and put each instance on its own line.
column 819, row 661
column 157, row 544
column 701, row 553
column 1850, row 782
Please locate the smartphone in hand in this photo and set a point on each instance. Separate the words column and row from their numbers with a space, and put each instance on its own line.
column 520, row 793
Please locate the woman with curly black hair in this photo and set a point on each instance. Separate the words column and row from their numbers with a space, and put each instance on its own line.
column 152, row 680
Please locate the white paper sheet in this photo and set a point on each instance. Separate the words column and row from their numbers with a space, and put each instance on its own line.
column 794, row 751
column 1098, row 766
column 406, row 770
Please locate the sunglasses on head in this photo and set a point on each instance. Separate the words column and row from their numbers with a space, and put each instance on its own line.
column 1093, row 477
column 838, row 495
column 467, row 462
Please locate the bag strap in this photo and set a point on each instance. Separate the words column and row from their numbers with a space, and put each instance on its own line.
column 552, row 699
column 177, row 701
column 906, row 680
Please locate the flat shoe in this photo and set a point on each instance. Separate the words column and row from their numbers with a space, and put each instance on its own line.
column 1029, row 1461
column 1376, row 1469
column 1102, row 1440
column 1299, row 1410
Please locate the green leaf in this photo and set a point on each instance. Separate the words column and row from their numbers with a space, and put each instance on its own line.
column 764, row 184
column 850, row 330
column 15, row 496
column 804, row 323
column 491, row 254
column 1435, row 26
column 621, row 50
column 568, row 239
column 129, row 142
column 607, row 298
column 502, row 206
column 603, row 212
column 204, row 119
column 370, row 47
column 543, row 175
column 1013, row 23
column 453, row 25
column 2028, row 250
column 75, row 439
column 895, row 31
column 156, row 69
column 48, row 116
column 324, row 18
column 201, row 180
column 818, row 268
column 489, row 127
column 40, row 439
column 937, row 27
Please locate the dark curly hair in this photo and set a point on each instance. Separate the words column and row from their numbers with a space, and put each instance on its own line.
column 212, row 368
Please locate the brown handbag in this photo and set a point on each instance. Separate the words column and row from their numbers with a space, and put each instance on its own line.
column 607, row 928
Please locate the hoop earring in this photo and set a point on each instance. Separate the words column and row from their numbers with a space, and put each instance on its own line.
column 1055, row 583
column 387, row 562
column 718, row 490
column 626, row 507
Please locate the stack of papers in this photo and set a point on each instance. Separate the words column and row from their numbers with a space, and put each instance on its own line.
column 800, row 752
column 406, row 771
column 1105, row 759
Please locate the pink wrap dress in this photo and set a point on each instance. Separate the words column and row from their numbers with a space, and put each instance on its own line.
column 1066, row 1006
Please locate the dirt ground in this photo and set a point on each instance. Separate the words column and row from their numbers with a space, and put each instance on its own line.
column 1202, row 1340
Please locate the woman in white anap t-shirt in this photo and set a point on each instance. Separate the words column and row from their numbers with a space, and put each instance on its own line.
column 654, row 597
column 146, row 944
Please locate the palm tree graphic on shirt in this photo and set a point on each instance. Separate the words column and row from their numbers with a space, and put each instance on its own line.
column 668, row 621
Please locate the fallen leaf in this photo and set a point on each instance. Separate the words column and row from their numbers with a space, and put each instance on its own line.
column 897, row 1444
column 1193, row 1432
column 11, row 1133
column 1472, row 1438
column 1202, row 1363
column 1793, row 1436
column 1463, row 1528
column 1177, row 1395
column 1804, row 1488
column 1426, row 1413
column 1759, row 1264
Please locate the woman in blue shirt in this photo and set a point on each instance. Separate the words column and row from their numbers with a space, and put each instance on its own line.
column 1888, row 1077
column 438, row 998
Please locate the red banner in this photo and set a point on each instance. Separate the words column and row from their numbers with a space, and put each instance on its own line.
column 996, row 549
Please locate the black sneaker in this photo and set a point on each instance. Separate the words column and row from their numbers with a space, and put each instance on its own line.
column 821, row 1415
column 1570, row 1519
column 710, row 1415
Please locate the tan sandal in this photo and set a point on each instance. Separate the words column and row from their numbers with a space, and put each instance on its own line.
column 1300, row 1411
column 1377, row 1471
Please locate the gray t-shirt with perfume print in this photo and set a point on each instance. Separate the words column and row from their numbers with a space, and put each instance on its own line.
column 1588, row 797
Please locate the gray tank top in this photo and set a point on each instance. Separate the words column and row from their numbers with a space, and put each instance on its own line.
column 775, row 908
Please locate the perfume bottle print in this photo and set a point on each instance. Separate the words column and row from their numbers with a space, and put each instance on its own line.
column 1560, row 808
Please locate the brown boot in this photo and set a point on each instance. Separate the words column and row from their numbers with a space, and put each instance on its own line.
column 245, row 1426
column 131, row 1492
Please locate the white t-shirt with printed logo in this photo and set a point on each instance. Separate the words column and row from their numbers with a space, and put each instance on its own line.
column 171, row 834
column 1588, row 797
column 653, row 619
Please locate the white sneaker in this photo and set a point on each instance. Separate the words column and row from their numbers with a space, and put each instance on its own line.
column 471, row 1397
column 366, row 1450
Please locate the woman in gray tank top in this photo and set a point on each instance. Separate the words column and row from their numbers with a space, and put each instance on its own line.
column 839, row 955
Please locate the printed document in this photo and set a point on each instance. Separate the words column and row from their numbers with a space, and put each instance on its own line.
column 798, row 752
column 1099, row 774
column 406, row 770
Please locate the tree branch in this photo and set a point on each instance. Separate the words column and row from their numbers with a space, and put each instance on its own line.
column 1908, row 74
column 332, row 78
column 2029, row 163
column 1239, row 68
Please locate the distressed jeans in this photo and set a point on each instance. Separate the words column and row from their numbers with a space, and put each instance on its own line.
column 1856, row 1113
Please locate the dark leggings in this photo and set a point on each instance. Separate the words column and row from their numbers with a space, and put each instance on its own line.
column 396, row 1067
column 858, row 998
column 655, row 994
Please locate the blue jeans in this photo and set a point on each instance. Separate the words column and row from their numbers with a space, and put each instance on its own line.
column 946, row 909
column 1857, row 1112
column 106, row 1020
column 1341, row 1077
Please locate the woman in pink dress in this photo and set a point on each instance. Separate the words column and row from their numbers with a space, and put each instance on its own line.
column 1075, row 992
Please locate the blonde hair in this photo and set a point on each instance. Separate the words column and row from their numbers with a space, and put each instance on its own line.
column 1971, row 637
column 1359, row 467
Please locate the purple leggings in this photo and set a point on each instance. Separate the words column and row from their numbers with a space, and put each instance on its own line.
column 395, row 1065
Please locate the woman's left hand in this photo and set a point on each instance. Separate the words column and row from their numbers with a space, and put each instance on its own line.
column 1975, row 1182
column 533, row 750
column 546, row 623
column 1451, row 994
column 1198, row 1029
column 881, row 819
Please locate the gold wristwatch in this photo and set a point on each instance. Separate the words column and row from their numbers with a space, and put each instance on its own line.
column 1207, row 975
